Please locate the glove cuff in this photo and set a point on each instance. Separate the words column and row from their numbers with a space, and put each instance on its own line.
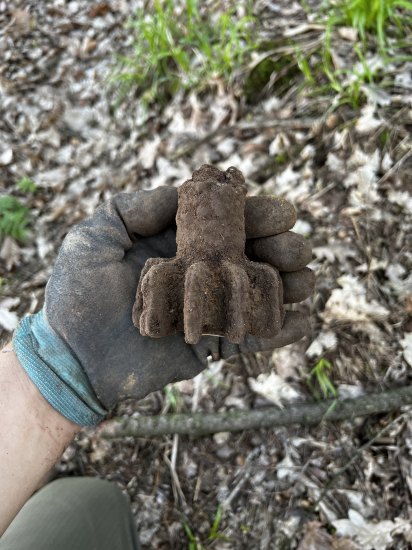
column 57, row 374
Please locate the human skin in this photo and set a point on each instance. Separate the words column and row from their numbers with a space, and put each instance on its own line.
column 33, row 436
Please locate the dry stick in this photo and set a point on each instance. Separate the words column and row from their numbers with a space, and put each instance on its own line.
column 200, row 424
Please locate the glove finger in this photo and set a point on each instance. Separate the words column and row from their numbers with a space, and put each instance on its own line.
column 146, row 213
column 287, row 251
column 297, row 285
column 265, row 216
column 295, row 326
column 116, row 225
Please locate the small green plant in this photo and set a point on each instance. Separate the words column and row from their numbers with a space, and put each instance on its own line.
column 373, row 16
column 194, row 544
column 214, row 530
column 320, row 374
column 174, row 51
column 213, row 535
column 26, row 185
column 14, row 218
column 173, row 398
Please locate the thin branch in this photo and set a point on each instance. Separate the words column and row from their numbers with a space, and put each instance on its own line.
column 199, row 424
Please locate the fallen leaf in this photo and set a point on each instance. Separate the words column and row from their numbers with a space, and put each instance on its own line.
column 367, row 122
column 9, row 319
column 273, row 388
column 370, row 535
column 350, row 303
column 10, row 253
column 406, row 344
column 325, row 341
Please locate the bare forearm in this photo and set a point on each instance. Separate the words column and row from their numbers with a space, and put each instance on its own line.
column 33, row 436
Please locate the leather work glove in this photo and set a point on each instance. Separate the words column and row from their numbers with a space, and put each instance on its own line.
column 90, row 296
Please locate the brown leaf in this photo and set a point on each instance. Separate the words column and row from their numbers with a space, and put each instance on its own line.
column 99, row 10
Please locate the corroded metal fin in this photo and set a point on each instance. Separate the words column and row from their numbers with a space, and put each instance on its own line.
column 159, row 313
column 195, row 301
column 266, row 300
column 237, row 302
column 138, row 305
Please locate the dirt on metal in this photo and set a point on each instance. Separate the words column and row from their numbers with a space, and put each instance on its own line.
column 210, row 287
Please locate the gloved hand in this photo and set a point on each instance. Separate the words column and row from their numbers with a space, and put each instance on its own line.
column 90, row 295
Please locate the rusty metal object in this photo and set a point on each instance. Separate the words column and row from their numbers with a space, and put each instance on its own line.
column 210, row 287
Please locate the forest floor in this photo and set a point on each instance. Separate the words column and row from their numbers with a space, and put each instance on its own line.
column 347, row 170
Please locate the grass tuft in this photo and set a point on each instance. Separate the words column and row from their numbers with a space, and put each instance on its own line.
column 183, row 50
column 319, row 376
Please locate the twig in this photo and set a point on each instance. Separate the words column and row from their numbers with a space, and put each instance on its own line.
column 199, row 424
column 395, row 167
column 176, row 487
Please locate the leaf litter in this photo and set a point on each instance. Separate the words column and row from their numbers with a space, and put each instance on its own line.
column 349, row 178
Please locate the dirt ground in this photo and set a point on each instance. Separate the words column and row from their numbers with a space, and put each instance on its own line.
column 348, row 172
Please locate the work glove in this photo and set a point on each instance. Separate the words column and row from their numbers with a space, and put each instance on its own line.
column 83, row 351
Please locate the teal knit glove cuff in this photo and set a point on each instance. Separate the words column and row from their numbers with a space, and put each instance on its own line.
column 55, row 371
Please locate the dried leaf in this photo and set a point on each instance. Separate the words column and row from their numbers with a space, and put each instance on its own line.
column 9, row 319
column 370, row 535
column 10, row 253
column 273, row 388
column 325, row 341
column 406, row 344
column 350, row 303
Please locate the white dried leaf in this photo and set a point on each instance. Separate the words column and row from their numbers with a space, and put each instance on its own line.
column 376, row 95
column 6, row 156
column 370, row 535
column 348, row 33
column 325, row 341
column 295, row 186
column 397, row 281
column 168, row 172
column 273, row 388
column 43, row 246
column 10, row 253
column 288, row 470
column 360, row 159
column 148, row 152
column 308, row 152
column 404, row 79
column 401, row 198
column 271, row 104
column 226, row 146
column 53, row 179
column 288, row 361
column 367, row 122
column 279, row 145
column 9, row 319
column 334, row 251
column 374, row 265
column 245, row 164
column 387, row 162
column 349, row 391
column 406, row 344
column 363, row 178
column 334, row 163
column 302, row 227
column 350, row 303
